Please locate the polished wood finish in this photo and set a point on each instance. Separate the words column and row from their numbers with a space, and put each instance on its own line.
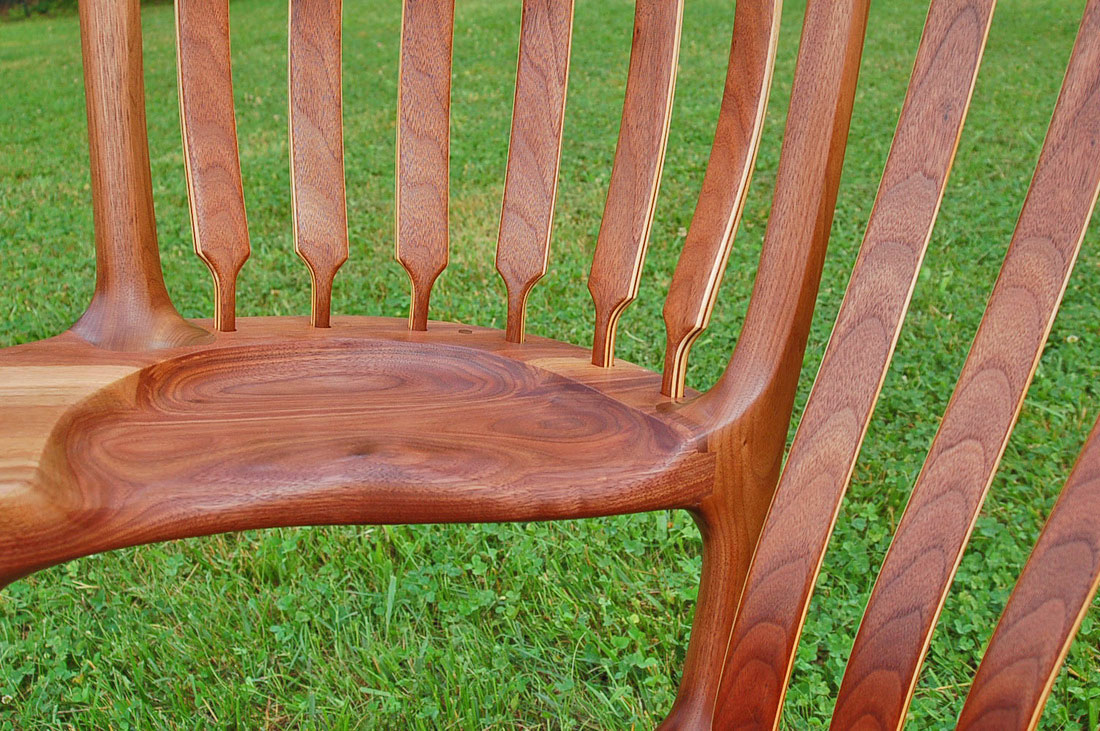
column 320, row 427
column 1045, row 610
column 137, row 426
column 636, row 172
column 130, row 309
column 534, row 154
column 698, row 274
column 943, row 507
column 750, row 407
column 424, row 147
column 825, row 447
column 210, row 154
column 317, row 147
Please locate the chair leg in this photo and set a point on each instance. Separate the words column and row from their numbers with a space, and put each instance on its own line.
column 725, row 561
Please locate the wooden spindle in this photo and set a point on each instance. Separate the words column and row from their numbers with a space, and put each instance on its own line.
column 214, row 188
column 317, row 147
column 534, row 154
column 130, row 309
column 636, row 172
column 423, row 148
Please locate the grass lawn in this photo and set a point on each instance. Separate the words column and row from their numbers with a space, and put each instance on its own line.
column 566, row 625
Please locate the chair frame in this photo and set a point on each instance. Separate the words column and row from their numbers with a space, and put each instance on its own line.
column 765, row 524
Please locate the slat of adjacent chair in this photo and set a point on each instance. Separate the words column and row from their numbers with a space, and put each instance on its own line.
column 909, row 593
column 534, row 153
column 710, row 236
column 423, row 147
column 130, row 309
column 750, row 407
column 317, row 147
column 1045, row 610
column 636, row 172
column 213, row 165
column 855, row 362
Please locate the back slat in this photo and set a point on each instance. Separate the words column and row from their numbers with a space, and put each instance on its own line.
column 423, row 147
column 1045, row 610
column 213, row 165
column 852, row 371
column 929, row 542
column 709, row 238
column 636, row 173
column 317, row 146
column 534, row 154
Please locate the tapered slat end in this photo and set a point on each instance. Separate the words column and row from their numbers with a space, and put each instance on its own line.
column 225, row 307
column 603, row 343
column 514, row 331
column 673, row 378
column 320, row 312
column 418, row 312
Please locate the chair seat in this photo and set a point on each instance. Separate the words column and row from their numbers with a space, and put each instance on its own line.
column 281, row 424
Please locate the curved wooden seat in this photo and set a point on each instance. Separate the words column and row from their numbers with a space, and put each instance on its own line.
column 364, row 422
column 138, row 425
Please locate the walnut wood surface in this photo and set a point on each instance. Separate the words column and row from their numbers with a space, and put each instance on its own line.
column 424, row 147
column 366, row 422
column 694, row 288
column 1046, row 608
column 534, row 153
column 317, row 147
column 210, row 155
column 855, row 361
column 943, row 507
column 636, row 172
column 130, row 309
column 138, row 426
column 750, row 406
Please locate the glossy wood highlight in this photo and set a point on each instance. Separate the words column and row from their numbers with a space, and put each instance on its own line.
column 534, row 153
column 317, row 147
column 424, row 148
column 694, row 288
column 636, row 173
column 943, row 507
column 211, row 159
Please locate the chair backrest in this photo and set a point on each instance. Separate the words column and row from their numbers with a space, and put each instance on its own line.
column 131, row 308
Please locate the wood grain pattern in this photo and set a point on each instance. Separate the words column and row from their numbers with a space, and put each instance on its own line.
column 750, row 407
column 211, row 158
column 366, row 422
column 317, row 147
column 855, row 361
column 130, row 309
column 932, row 534
column 1046, row 608
column 138, row 426
column 636, row 172
column 424, row 148
column 698, row 274
column 534, row 153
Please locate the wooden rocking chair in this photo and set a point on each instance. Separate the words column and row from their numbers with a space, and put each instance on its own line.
column 137, row 425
